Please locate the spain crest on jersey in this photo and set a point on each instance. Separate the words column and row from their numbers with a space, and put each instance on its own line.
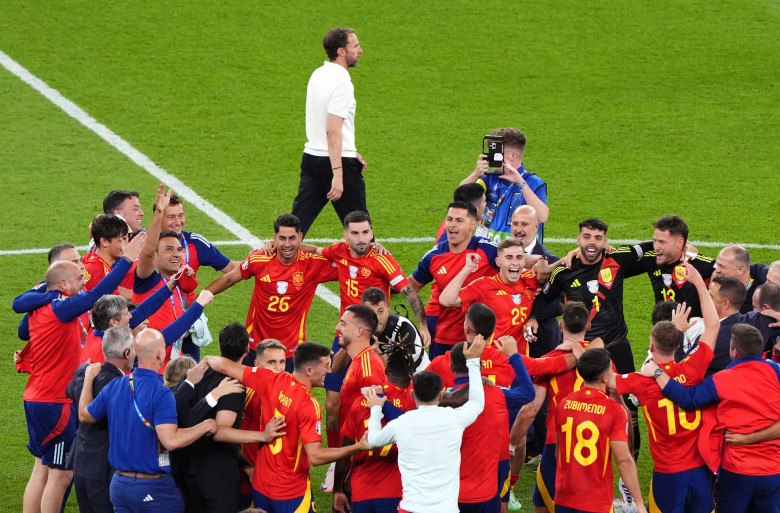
column 281, row 287
column 365, row 271
column 353, row 272
column 606, row 275
column 517, row 298
column 593, row 286
column 297, row 278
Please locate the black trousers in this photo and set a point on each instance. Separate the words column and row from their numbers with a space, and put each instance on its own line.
column 316, row 178
column 93, row 496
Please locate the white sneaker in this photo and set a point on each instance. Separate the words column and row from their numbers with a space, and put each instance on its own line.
column 628, row 502
column 327, row 484
column 514, row 504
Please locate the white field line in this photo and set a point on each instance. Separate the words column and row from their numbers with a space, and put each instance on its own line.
column 417, row 240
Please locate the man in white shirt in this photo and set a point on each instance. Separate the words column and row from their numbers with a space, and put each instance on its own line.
column 331, row 168
column 429, row 437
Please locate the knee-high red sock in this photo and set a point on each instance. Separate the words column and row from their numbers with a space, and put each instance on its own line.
column 513, row 480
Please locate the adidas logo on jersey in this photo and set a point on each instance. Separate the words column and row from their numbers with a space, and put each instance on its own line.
column 501, row 293
column 441, row 270
column 148, row 498
column 266, row 278
column 575, row 283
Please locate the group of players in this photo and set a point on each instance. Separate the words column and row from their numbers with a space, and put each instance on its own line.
column 505, row 296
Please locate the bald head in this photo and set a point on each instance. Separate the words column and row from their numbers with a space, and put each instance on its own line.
column 774, row 273
column 733, row 262
column 65, row 277
column 525, row 224
column 150, row 348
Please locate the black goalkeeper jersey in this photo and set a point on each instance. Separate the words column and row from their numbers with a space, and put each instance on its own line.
column 599, row 286
column 668, row 282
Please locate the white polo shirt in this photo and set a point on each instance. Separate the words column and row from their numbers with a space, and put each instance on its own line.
column 330, row 91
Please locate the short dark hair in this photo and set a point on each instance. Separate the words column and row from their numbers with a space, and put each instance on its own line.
column 365, row 316
column 357, row 216
column 731, row 289
column 468, row 207
column 175, row 200
column 108, row 226
column 769, row 294
column 106, row 308
column 115, row 198
column 469, row 192
column 307, row 353
column 373, row 295
column 288, row 221
column 593, row 364
column 458, row 360
column 510, row 243
column 427, row 386
column 336, row 38
column 482, row 319
column 168, row 233
column 747, row 340
column 233, row 341
column 56, row 251
column 662, row 311
column 594, row 223
column 672, row 224
column 575, row 317
column 667, row 337
column 513, row 137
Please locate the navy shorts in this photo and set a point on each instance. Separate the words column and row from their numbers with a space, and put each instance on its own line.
column 504, row 478
column 139, row 495
column 544, row 490
column 565, row 509
column 334, row 380
column 303, row 504
column 489, row 506
column 689, row 491
column 739, row 493
column 52, row 428
column 376, row 506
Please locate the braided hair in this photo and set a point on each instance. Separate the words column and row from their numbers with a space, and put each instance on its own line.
column 399, row 360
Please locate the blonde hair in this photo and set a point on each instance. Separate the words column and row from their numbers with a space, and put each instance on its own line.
column 177, row 369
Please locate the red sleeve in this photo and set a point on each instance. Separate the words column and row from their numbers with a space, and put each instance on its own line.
column 249, row 267
column 395, row 276
column 530, row 280
column 330, row 251
column 695, row 365
column 325, row 270
column 350, row 427
column 545, row 366
column 470, row 294
column 258, row 378
column 309, row 419
column 631, row 383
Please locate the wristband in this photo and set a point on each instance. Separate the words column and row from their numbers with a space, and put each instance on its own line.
column 523, row 184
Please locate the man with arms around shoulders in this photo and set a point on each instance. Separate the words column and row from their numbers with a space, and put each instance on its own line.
column 285, row 285
column 281, row 482
column 142, row 429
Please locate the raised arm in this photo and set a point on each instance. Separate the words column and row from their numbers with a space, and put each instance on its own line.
column 708, row 312
column 450, row 296
column 469, row 412
column 416, row 303
column 151, row 304
column 179, row 327
column 146, row 264
column 223, row 365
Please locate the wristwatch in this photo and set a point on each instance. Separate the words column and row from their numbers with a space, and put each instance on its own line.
column 657, row 373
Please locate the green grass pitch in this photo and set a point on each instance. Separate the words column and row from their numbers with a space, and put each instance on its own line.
column 632, row 110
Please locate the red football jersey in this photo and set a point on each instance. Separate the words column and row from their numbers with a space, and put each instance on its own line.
column 587, row 422
column 251, row 422
column 53, row 355
column 483, row 443
column 367, row 369
column 511, row 303
column 93, row 348
column 171, row 310
column 558, row 387
column 358, row 274
column 282, row 296
column 378, row 465
column 282, row 469
column 673, row 432
column 95, row 269
column 495, row 367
